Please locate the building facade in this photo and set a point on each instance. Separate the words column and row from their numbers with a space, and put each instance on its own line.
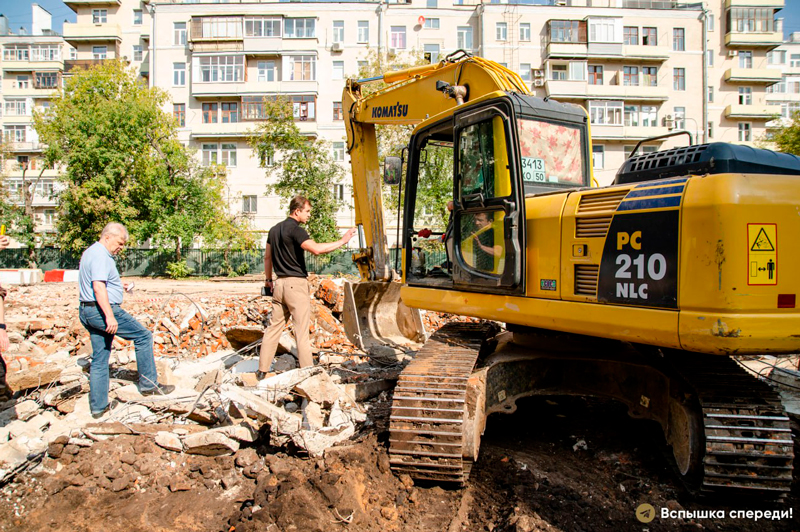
column 641, row 68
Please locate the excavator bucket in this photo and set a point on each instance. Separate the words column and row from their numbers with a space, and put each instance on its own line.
column 374, row 315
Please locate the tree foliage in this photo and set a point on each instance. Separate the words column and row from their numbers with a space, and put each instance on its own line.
column 124, row 163
column 16, row 211
column 302, row 166
column 786, row 138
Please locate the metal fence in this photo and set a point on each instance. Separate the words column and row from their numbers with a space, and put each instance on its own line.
column 210, row 263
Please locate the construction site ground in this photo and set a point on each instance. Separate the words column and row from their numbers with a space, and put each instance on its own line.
column 557, row 463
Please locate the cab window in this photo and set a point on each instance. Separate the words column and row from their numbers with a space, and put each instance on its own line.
column 551, row 154
column 482, row 168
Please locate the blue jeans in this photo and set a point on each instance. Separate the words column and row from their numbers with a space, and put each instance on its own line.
column 128, row 328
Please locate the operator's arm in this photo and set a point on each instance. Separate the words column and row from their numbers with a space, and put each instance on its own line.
column 326, row 247
column 101, row 296
column 268, row 265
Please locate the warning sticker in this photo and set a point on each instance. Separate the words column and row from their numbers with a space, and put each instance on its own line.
column 762, row 254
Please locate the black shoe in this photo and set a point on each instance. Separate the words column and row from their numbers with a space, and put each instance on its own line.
column 261, row 375
column 98, row 415
column 161, row 389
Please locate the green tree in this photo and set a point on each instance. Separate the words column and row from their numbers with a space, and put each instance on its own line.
column 785, row 138
column 16, row 210
column 124, row 163
column 303, row 166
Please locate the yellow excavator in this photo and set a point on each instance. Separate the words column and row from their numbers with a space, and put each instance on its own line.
column 640, row 291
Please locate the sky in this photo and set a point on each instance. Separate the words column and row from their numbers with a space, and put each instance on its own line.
column 19, row 14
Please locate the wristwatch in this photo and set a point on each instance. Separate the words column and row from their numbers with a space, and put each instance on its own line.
column 3, row 326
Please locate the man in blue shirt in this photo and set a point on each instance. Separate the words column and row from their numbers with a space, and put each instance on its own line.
column 100, row 312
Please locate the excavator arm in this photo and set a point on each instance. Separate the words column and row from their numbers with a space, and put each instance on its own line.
column 410, row 97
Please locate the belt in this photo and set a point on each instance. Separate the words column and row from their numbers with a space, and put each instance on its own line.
column 94, row 304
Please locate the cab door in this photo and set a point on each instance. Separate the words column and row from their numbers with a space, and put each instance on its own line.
column 488, row 211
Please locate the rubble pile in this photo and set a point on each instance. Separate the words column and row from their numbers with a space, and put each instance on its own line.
column 205, row 345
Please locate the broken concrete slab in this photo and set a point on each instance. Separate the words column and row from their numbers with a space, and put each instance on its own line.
column 33, row 377
column 281, row 421
column 241, row 432
column 316, row 442
column 25, row 410
column 289, row 379
column 169, row 441
column 320, row 388
column 362, row 391
column 210, row 443
column 312, row 414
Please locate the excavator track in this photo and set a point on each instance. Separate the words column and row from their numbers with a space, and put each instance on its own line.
column 748, row 439
column 429, row 411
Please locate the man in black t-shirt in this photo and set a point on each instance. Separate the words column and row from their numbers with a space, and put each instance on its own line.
column 284, row 255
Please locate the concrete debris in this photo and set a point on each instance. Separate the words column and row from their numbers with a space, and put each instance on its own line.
column 210, row 443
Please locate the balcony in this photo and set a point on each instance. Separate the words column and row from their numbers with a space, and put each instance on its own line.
column 30, row 66
column 31, row 92
column 567, row 50
column 74, row 32
column 241, row 88
column 581, row 90
column 754, row 39
column 777, row 4
column 752, row 75
column 85, row 64
column 237, row 129
column 78, row 3
column 750, row 112
column 657, row 54
column 25, row 147
column 278, row 46
column 630, row 133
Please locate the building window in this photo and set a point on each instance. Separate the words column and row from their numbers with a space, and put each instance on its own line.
column 299, row 28
column 595, row 74
column 17, row 52
column 14, row 133
column 99, row 16
column 338, row 70
column 99, row 52
column 210, row 113
column 432, row 4
column 628, row 150
column 630, row 76
column 680, row 117
column 710, row 94
column 22, row 82
column 338, row 151
column 230, row 112
column 209, row 154
column 267, row 161
column 338, row 31
column 630, row 35
column 710, row 21
column 398, row 37
column 605, row 112
column 363, row 31
column 178, row 74
column 338, row 192
column 304, row 108
column 709, row 130
column 137, row 52
column 262, row 26
column 179, row 33
column 649, row 116
column 223, row 68
column 632, row 116
column 337, row 111
column 598, row 157
column 253, row 108
column 431, row 24
column 525, row 71
column 794, row 60
column 745, row 95
column 266, row 71
column 16, row 107
column 45, row 80
column 602, row 30
column 501, row 31
column 650, row 75
column 679, row 79
column 49, row 216
column 217, row 27
column 229, row 154
column 745, row 59
column 678, row 39
column 744, row 131
column 709, row 58
column 431, row 52
column 464, row 37
column 179, row 112
column 45, row 52
column 649, row 37
column 777, row 57
column 137, row 17
column 558, row 72
column 302, row 68
column 751, row 20
column 250, row 204
column 525, row 31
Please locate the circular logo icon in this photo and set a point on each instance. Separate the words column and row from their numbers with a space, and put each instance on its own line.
column 645, row 513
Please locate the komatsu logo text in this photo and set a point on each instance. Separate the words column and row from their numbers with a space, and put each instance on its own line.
column 390, row 111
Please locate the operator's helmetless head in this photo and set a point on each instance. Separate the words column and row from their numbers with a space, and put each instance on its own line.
column 114, row 237
column 300, row 209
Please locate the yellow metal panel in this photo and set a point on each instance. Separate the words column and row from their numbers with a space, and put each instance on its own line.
column 543, row 229
column 653, row 327
column 740, row 334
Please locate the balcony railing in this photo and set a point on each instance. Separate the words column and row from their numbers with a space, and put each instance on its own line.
column 72, row 64
column 92, row 32
column 752, row 75
column 750, row 112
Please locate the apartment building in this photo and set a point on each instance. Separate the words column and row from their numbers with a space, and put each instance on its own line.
column 784, row 96
column 641, row 68
column 31, row 66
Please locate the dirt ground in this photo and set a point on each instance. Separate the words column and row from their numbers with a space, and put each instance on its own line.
column 557, row 463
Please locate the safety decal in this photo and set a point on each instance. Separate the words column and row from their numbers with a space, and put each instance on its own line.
column 762, row 254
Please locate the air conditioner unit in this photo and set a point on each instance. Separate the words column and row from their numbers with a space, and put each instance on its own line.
column 538, row 73
column 336, row 47
column 539, row 82
column 732, row 53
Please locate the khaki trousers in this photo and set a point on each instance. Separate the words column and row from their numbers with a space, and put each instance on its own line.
column 290, row 298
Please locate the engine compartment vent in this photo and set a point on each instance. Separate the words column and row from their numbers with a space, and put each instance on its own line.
column 596, row 227
column 586, row 276
column 603, row 202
